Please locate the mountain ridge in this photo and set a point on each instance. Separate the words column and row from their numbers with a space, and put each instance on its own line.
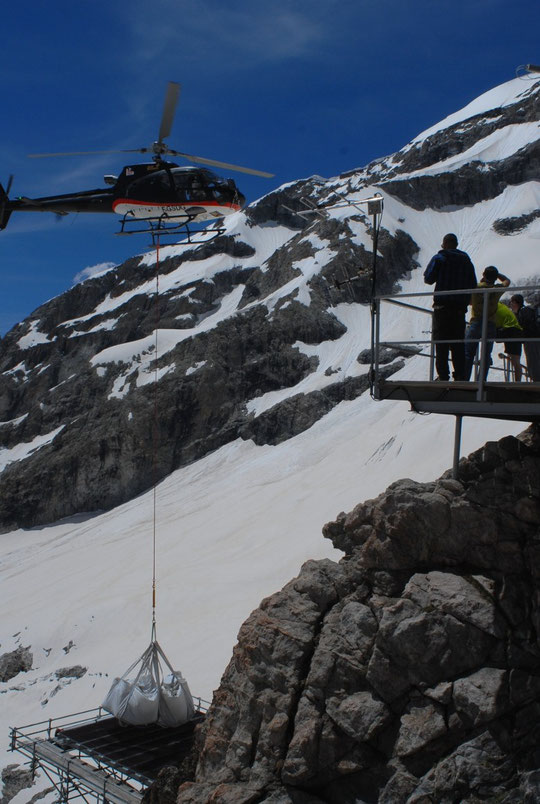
column 230, row 315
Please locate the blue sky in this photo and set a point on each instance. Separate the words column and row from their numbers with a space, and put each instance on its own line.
column 294, row 87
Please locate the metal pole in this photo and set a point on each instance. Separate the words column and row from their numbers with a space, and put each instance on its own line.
column 483, row 356
column 374, row 209
column 431, row 354
column 377, row 337
column 457, row 446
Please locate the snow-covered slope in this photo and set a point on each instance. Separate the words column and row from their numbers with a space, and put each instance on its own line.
column 254, row 315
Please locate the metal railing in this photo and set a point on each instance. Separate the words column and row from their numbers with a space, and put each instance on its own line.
column 485, row 342
column 46, row 729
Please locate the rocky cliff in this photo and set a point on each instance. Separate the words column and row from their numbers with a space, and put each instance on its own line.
column 406, row 673
column 94, row 428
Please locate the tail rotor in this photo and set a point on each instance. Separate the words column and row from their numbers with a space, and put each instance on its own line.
column 5, row 208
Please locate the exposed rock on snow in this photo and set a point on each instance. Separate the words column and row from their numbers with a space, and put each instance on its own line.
column 71, row 672
column 510, row 226
column 408, row 672
column 14, row 779
column 469, row 160
column 297, row 413
column 474, row 182
column 15, row 662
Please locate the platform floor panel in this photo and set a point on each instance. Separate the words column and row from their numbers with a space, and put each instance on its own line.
column 137, row 751
column 503, row 400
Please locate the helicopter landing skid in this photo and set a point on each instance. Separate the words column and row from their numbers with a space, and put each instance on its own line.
column 163, row 226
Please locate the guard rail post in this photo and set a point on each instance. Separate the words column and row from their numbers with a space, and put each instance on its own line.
column 482, row 345
column 377, row 335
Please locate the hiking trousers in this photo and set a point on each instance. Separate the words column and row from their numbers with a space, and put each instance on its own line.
column 449, row 325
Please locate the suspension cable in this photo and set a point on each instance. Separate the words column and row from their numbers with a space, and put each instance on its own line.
column 155, row 444
column 376, row 225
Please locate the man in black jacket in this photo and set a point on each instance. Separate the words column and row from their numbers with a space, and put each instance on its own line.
column 527, row 318
column 450, row 269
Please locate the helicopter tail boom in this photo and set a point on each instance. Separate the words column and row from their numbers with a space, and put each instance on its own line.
column 5, row 209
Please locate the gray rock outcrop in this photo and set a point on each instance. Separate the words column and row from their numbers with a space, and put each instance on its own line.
column 14, row 779
column 407, row 673
column 474, row 181
column 15, row 662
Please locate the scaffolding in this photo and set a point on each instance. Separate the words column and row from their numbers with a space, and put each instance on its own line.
column 89, row 756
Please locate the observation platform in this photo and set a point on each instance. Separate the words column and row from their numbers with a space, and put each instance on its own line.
column 90, row 756
column 493, row 392
column 496, row 395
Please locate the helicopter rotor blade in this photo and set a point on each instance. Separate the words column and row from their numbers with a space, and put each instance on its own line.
column 199, row 159
column 169, row 108
column 214, row 163
column 88, row 153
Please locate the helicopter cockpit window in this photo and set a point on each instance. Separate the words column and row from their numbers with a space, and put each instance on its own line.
column 210, row 177
column 155, row 187
column 186, row 185
column 215, row 189
column 181, row 185
column 196, row 185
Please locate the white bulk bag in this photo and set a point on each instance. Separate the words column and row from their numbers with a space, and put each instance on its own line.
column 175, row 701
column 134, row 702
column 149, row 697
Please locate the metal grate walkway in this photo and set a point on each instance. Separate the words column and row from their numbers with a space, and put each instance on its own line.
column 90, row 756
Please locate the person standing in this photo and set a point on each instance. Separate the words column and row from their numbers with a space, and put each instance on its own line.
column 527, row 319
column 450, row 269
column 474, row 330
column 510, row 330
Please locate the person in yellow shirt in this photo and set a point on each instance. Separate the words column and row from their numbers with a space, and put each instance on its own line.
column 474, row 330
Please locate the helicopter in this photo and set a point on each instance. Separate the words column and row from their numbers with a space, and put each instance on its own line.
column 160, row 196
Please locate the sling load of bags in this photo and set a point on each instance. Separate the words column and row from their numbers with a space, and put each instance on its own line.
column 147, row 694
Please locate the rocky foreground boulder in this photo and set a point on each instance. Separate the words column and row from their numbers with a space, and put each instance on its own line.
column 407, row 672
